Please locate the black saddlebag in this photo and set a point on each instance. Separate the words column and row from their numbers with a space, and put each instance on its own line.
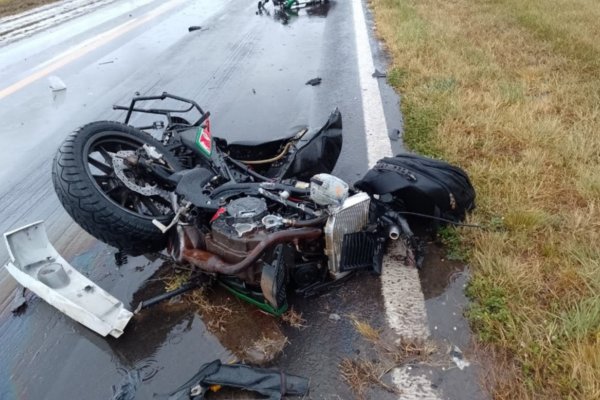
column 422, row 185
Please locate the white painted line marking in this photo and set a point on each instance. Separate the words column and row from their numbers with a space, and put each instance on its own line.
column 403, row 299
column 88, row 46
column 378, row 143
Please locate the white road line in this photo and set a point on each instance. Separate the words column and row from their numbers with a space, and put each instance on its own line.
column 403, row 299
column 86, row 47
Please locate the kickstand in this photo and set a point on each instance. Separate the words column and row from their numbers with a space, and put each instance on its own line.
column 317, row 288
column 193, row 283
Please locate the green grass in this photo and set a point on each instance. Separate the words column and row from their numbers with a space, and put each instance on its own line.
column 510, row 91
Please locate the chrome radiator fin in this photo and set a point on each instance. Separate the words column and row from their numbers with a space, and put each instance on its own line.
column 352, row 216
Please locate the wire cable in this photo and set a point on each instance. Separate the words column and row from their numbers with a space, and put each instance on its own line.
column 442, row 219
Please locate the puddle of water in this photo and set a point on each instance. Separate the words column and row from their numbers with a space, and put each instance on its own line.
column 443, row 283
column 47, row 355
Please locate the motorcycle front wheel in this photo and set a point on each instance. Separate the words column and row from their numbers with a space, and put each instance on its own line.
column 107, row 198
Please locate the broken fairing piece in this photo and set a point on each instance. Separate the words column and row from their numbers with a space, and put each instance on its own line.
column 56, row 84
column 458, row 358
column 36, row 265
column 378, row 74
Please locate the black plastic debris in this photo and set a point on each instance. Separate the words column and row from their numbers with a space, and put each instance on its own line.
column 273, row 384
column 128, row 387
column 120, row 258
column 194, row 28
column 19, row 303
column 394, row 134
column 314, row 82
column 378, row 74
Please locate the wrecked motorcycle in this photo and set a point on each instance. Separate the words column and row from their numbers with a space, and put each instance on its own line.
column 259, row 217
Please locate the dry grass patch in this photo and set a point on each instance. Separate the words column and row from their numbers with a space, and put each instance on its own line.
column 294, row 319
column 362, row 374
column 10, row 7
column 510, row 90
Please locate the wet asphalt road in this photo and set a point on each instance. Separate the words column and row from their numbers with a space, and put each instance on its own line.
column 250, row 72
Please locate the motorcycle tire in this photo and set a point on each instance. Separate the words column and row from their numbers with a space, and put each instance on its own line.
column 94, row 210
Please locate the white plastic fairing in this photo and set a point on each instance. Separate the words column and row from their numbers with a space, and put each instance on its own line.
column 36, row 265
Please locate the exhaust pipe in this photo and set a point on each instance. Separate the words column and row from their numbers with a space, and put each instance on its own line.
column 212, row 263
column 394, row 232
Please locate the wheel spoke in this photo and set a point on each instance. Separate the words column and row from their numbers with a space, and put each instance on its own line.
column 124, row 197
column 137, row 205
column 101, row 166
column 103, row 178
column 151, row 206
column 105, row 154
column 115, row 191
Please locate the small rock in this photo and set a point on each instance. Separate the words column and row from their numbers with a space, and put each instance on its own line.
column 314, row 81
column 334, row 317
column 378, row 74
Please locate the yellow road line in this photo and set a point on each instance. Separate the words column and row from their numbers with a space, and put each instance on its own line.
column 89, row 46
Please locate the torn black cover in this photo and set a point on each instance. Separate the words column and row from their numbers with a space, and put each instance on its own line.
column 273, row 384
column 319, row 152
column 422, row 185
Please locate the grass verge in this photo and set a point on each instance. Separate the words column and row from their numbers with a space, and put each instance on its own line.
column 11, row 7
column 510, row 91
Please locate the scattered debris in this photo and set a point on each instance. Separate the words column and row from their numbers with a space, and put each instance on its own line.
column 294, row 319
column 19, row 303
column 314, row 81
column 364, row 373
column 334, row 317
column 120, row 258
column 213, row 375
column 365, row 330
column 394, row 134
column 458, row 358
column 378, row 74
column 128, row 386
column 56, row 84
column 214, row 315
column 360, row 375
column 264, row 350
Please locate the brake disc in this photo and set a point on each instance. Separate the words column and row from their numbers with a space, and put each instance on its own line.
column 118, row 161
